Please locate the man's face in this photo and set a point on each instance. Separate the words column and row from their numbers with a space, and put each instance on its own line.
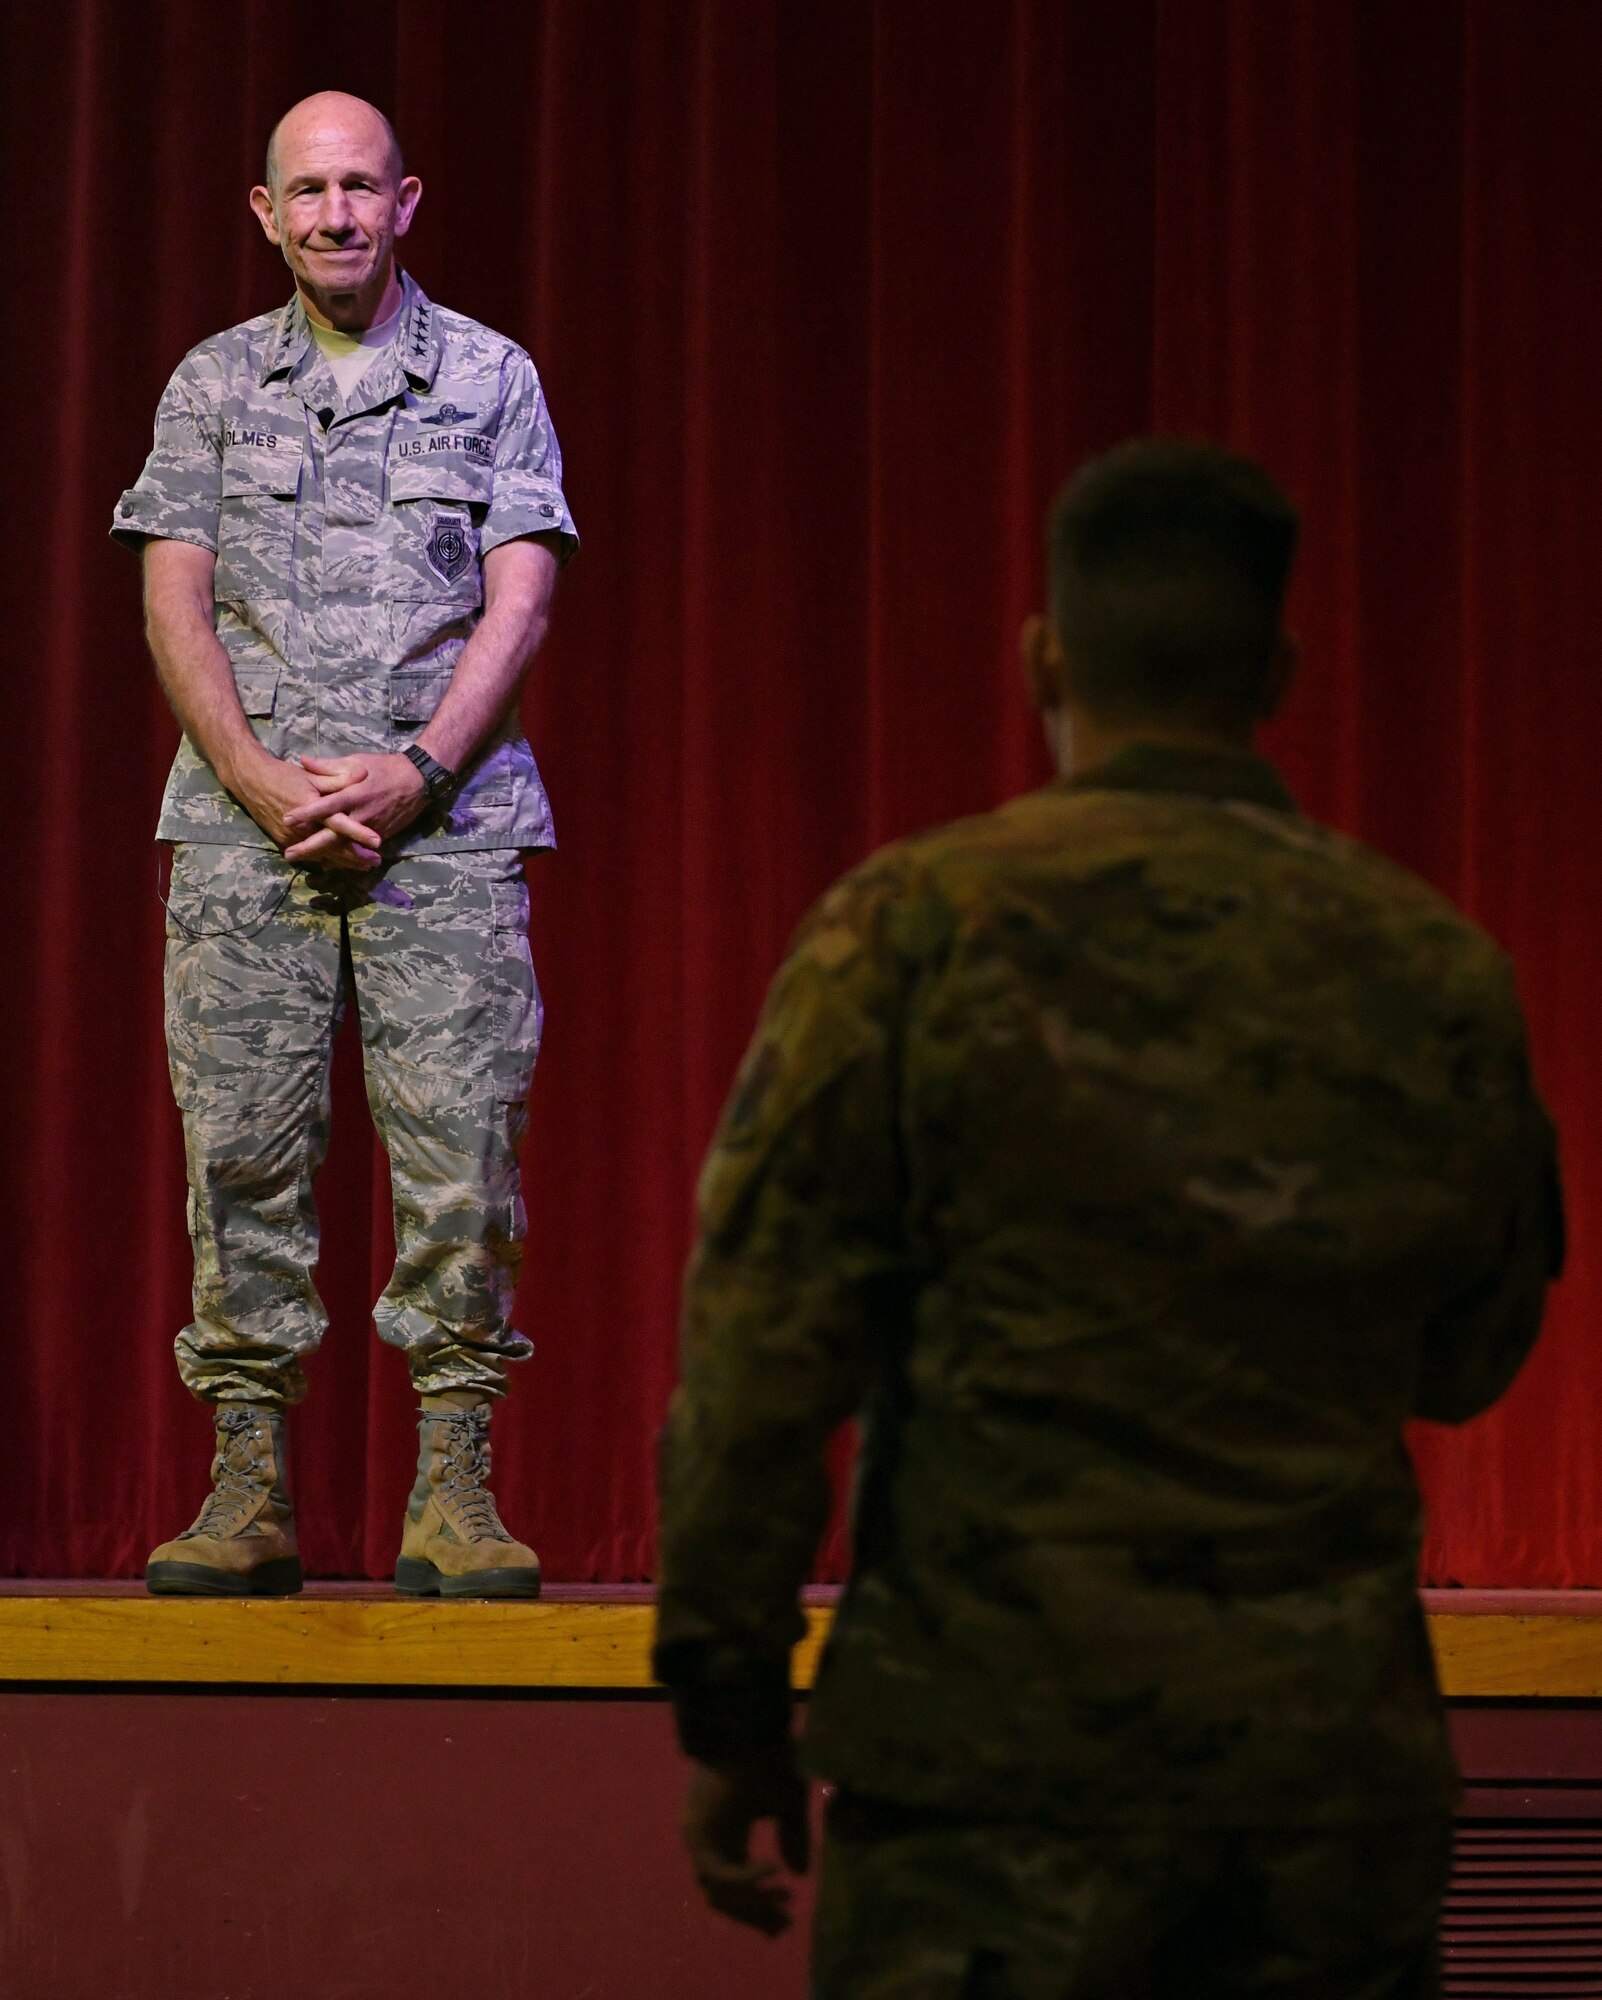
column 337, row 207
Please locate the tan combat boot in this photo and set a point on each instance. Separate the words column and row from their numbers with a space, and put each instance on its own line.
column 454, row 1544
column 243, row 1544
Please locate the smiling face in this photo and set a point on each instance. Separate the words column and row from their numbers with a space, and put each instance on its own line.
column 335, row 202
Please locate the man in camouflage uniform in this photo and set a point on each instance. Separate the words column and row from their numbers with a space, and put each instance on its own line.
column 351, row 522
column 1133, row 1161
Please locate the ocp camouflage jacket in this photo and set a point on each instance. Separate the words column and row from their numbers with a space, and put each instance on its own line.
column 1134, row 1162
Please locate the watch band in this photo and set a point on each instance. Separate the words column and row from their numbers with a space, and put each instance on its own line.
column 439, row 783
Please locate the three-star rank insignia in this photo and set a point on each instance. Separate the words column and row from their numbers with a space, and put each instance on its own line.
column 448, row 550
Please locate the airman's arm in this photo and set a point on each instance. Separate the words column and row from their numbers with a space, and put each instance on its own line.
column 198, row 680
column 1477, row 1344
column 519, row 582
column 795, row 1289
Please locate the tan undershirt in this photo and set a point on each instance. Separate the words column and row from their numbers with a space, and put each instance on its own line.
column 350, row 355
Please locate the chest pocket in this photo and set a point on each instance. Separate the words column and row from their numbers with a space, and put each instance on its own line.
column 438, row 505
column 256, row 531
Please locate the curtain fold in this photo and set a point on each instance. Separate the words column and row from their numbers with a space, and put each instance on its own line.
column 827, row 298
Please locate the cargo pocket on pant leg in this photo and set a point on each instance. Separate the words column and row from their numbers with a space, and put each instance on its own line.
column 517, row 991
column 224, row 890
column 218, row 898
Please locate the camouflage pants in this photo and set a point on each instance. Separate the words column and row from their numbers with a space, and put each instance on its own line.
column 261, row 956
column 914, row 1908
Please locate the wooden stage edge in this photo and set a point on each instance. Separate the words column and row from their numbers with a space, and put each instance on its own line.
column 1488, row 1644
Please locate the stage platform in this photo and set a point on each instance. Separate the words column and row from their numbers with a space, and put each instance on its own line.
column 339, row 1635
column 1488, row 1644
column 352, row 1796
column 347, row 1795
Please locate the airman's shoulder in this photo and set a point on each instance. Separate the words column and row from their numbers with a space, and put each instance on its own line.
column 1425, row 921
column 480, row 349
column 237, row 350
column 850, row 918
column 905, row 898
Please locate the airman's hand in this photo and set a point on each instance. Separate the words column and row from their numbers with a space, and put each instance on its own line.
column 273, row 792
column 726, row 1801
column 364, row 799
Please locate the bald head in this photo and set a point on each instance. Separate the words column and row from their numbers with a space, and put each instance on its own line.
column 330, row 115
column 336, row 201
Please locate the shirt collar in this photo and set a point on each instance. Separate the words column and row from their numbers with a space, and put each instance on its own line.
column 417, row 349
column 1220, row 775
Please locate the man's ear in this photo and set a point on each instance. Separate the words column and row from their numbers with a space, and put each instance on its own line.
column 1041, row 652
column 1282, row 669
column 407, row 196
column 261, row 201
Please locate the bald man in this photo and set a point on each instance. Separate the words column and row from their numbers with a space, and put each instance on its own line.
column 351, row 524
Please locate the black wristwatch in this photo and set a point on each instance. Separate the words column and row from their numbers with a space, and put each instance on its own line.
column 439, row 783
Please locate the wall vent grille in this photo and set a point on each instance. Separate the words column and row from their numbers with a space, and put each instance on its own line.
column 1523, row 1915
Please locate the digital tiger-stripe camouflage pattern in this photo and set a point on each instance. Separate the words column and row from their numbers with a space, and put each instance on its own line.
column 450, row 1019
column 350, row 553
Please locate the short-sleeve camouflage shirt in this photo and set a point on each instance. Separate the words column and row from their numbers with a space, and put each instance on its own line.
column 350, row 536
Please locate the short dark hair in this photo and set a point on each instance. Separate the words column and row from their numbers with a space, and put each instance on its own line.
column 1168, row 563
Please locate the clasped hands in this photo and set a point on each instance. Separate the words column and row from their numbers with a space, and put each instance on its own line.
column 333, row 812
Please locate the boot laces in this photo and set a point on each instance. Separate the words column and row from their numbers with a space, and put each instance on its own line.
column 465, row 1471
column 236, row 1482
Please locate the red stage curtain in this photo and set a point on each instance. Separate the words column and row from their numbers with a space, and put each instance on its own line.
column 827, row 298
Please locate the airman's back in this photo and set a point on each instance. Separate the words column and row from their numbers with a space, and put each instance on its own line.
column 1211, row 1120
